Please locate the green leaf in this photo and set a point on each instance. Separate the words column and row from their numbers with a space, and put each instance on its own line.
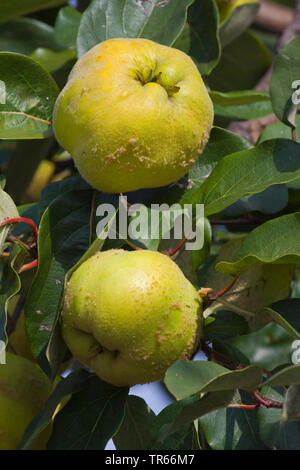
column 285, row 81
column 8, row 210
column 199, row 38
column 278, row 129
column 231, row 429
column 12, row 8
column 161, row 22
column 271, row 200
column 178, row 415
column 63, row 238
column 71, row 384
column 134, row 433
column 248, row 104
column 90, row 418
column 287, row 376
column 162, row 423
column 249, row 172
column 286, row 314
column 276, row 242
column 270, row 347
column 240, row 19
column 30, row 94
column 220, row 144
column 185, row 378
column 24, row 35
column 269, row 419
column 290, row 436
column 10, row 283
column 64, row 235
column 51, row 60
column 256, row 287
column 67, row 26
column 223, row 325
column 243, row 62
column 291, row 405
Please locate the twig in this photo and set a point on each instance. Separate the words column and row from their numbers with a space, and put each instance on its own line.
column 219, row 358
column 174, row 250
column 227, row 288
column 267, row 402
column 273, row 17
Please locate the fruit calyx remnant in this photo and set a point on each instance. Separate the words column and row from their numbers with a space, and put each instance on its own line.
column 148, row 75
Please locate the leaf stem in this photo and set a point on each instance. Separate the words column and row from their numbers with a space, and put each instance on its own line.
column 16, row 220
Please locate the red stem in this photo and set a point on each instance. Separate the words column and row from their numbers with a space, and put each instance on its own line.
column 31, row 265
column 267, row 402
column 24, row 220
column 174, row 250
column 245, row 407
column 227, row 288
column 294, row 135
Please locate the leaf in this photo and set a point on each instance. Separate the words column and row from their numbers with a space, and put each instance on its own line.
column 73, row 383
column 185, row 378
column 52, row 61
column 271, row 200
column 269, row 419
column 63, row 238
column 67, row 26
column 278, row 129
column 10, row 284
column 291, row 405
column 64, row 235
column 286, row 314
column 199, row 38
column 13, row 8
column 158, row 21
column 247, row 104
column 24, row 35
column 220, row 144
column 239, row 20
column 29, row 99
column 8, row 210
column 223, row 325
column 243, row 62
column 256, row 287
column 270, row 347
column 90, row 418
column 175, row 416
column 134, row 433
column 276, row 241
column 231, row 429
column 290, row 436
column 287, row 376
column 285, row 81
column 249, row 172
